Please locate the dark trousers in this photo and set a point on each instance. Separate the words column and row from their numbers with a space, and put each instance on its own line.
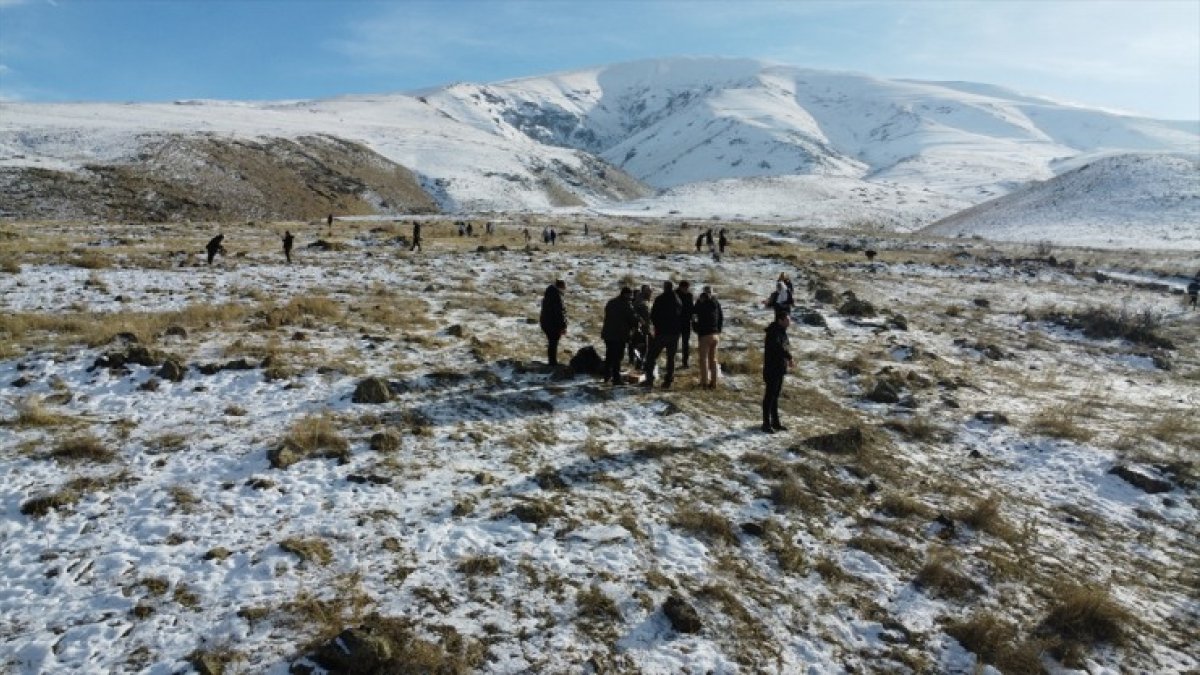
column 416, row 245
column 774, row 387
column 669, row 342
column 287, row 252
column 552, row 337
column 684, row 338
column 614, row 351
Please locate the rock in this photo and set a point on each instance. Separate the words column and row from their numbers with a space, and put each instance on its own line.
column 356, row 650
column 982, row 302
column 848, row 440
column 21, row 381
column 126, row 336
column 898, row 322
column 683, row 616
column 61, row 398
column 150, row 384
column 456, row 331
column 813, row 318
column 238, row 364
column 172, row 370
column 217, row 553
column 386, row 441
column 753, row 529
column 207, row 663
column 372, row 390
column 991, row 417
column 176, row 331
column 283, row 456
column 855, row 307
column 1144, row 482
column 824, row 295
column 884, row 392
column 209, row 368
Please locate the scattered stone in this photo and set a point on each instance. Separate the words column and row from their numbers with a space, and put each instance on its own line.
column 299, row 336
column 683, row 617
column 21, row 381
column 172, row 370
column 753, row 529
column 260, row 483
column 373, row 478
column 813, row 318
column 884, row 392
column 176, row 331
column 456, row 331
column 855, row 307
column 975, row 454
column 217, row 553
column 982, row 302
column 356, row 650
column 847, row 441
column 991, row 417
column 897, row 322
column 150, row 384
column 386, row 441
column 824, row 295
column 372, row 390
column 238, row 364
column 1146, row 483
column 61, row 398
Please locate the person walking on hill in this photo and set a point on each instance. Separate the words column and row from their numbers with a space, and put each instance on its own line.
column 619, row 323
column 329, row 221
column 214, row 247
column 416, row 237
column 664, row 317
column 776, row 361
column 699, row 241
column 687, row 304
column 722, row 242
column 553, row 236
column 708, row 320
column 288, row 240
column 553, row 319
column 1193, row 290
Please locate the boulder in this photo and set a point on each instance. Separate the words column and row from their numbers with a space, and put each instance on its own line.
column 683, row 617
column 855, row 307
column 172, row 370
column 372, row 390
column 386, row 441
column 1144, row 482
column 884, row 392
column 848, row 440
column 991, row 417
column 356, row 650
column 813, row 318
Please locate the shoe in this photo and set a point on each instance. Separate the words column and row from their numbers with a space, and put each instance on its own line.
column 778, row 427
column 767, row 429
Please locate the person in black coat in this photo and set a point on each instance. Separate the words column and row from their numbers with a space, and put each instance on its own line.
column 776, row 361
column 288, row 240
column 699, row 241
column 708, row 320
column 416, row 237
column 1193, row 291
column 686, row 305
column 553, row 319
column 639, row 342
column 664, row 317
column 619, row 323
column 214, row 247
column 722, row 242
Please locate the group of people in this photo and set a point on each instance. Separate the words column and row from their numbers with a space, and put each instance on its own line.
column 648, row 329
column 717, row 248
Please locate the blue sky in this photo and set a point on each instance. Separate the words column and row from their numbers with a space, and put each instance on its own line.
column 1136, row 56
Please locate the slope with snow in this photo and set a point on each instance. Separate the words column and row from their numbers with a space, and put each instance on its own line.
column 1121, row 201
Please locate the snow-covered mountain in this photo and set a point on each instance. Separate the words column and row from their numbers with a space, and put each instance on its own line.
column 1113, row 202
column 716, row 137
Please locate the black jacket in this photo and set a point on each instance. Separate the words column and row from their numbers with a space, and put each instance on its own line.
column 553, row 317
column 687, row 307
column 619, row 320
column 775, row 350
column 214, row 244
column 665, row 314
column 710, row 320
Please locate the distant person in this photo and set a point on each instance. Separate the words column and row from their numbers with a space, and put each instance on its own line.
column 776, row 361
column 619, row 324
column 708, row 239
column 329, row 221
column 553, row 319
column 722, row 242
column 288, row 240
column 781, row 297
column 470, row 230
column 664, row 317
column 416, row 237
column 687, row 304
column 1193, row 290
column 708, row 321
column 546, row 235
column 215, row 246
column 553, row 236
column 527, row 237
column 699, row 242
column 462, row 228
column 585, row 228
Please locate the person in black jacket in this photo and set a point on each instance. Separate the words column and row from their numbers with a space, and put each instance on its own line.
column 639, row 342
column 214, row 247
column 416, row 237
column 664, row 317
column 288, row 240
column 708, row 321
column 1193, row 290
column 722, row 242
column 619, row 322
column 776, row 361
column 686, row 305
column 553, row 319
column 699, row 241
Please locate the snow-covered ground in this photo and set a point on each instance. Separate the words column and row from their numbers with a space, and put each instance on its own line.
column 530, row 524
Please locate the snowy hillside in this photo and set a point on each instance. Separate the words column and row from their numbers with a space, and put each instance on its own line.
column 1122, row 201
column 740, row 134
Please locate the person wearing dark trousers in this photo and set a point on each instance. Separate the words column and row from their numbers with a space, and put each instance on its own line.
column 619, row 322
column 1193, row 291
column 686, row 308
column 639, row 342
column 553, row 319
column 664, row 316
column 288, row 240
column 416, row 237
column 776, row 361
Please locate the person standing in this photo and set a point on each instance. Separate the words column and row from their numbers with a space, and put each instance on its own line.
column 1193, row 290
column 214, row 247
column 664, row 317
column 619, row 322
column 553, row 319
column 329, row 221
column 687, row 305
column 288, row 240
column 639, row 342
column 553, row 236
column 709, row 321
column 776, row 361
column 699, row 241
column 722, row 242
column 416, row 237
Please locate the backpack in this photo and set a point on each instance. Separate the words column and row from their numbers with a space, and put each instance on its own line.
column 587, row 361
